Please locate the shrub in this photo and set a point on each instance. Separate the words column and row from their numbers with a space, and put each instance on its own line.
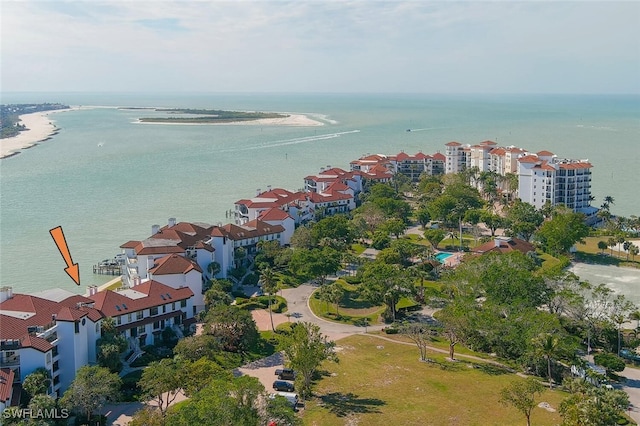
column 390, row 330
column 284, row 328
column 353, row 279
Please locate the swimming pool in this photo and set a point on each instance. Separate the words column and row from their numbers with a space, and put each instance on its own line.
column 442, row 256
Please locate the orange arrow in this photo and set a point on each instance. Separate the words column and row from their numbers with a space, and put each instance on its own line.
column 72, row 268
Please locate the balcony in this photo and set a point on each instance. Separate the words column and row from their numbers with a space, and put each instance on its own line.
column 9, row 361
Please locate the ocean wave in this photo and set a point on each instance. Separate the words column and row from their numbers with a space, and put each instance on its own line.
column 294, row 141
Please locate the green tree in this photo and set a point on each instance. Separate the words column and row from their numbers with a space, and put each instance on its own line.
column 602, row 246
column 234, row 328
column 147, row 416
column 609, row 361
column 423, row 216
column 565, row 229
column 37, row 382
column 92, row 387
column 280, row 412
column 522, row 220
column 592, row 406
column 305, row 348
column 336, row 229
column 224, row 402
column 213, row 269
column 385, row 284
column 42, row 403
column 315, row 263
column 434, row 236
column 161, row 382
column 193, row 348
column 549, row 347
column 302, row 239
column 197, row 375
column 421, row 334
column 394, row 226
column 270, row 286
column 521, row 395
column 335, row 294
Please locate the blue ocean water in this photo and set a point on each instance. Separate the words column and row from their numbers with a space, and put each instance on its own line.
column 106, row 179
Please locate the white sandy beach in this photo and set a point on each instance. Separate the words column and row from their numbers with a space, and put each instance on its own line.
column 293, row 120
column 40, row 126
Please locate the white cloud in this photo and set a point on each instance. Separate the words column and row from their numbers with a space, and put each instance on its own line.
column 320, row 45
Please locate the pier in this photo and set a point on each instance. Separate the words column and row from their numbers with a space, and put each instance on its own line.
column 109, row 266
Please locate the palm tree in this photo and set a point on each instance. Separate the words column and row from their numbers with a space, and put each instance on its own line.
column 611, row 242
column 626, row 246
column 270, row 286
column 214, row 269
column 620, row 239
column 609, row 200
column 634, row 250
column 548, row 346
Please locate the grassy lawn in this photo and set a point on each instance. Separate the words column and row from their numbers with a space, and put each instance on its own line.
column 378, row 382
column 115, row 286
column 590, row 253
column 351, row 310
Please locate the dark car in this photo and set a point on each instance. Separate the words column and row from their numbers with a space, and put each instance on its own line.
column 286, row 374
column 281, row 385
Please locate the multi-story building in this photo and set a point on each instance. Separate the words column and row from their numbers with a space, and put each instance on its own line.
column 543, row 178
column 458, row 157
column 142, row 312
column 54, row 329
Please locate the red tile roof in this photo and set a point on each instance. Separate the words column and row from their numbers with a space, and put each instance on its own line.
column 130, row 244
column 36, row 343
column 505, row 246
column 274, row 214
column 174, row 264
column 576, row 165
column 488, row 143
column 23, row 311
column 155, row 294
column 545, row 154
column 252, row 229
column 453, row 144
column 529, row 159
column 6, row 384
column 439, row 156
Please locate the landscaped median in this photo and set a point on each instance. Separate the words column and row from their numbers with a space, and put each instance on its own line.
column 351, row 307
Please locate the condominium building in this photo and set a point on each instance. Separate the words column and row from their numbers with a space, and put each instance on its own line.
column 544, row 178
column 54, row 329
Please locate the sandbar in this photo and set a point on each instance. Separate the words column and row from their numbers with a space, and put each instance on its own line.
column 292, row 120
column 41, row 128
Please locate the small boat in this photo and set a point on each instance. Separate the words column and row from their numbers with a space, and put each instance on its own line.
column 408, row 130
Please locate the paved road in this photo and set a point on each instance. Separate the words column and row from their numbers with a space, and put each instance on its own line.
column 297, row 303
column 632, row 388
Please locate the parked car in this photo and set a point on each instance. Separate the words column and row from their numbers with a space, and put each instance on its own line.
column 286, row 374
column 281, row 385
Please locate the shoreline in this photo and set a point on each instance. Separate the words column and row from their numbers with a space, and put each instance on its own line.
column 40, row 127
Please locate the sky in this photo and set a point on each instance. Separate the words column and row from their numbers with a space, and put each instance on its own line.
column 321, row 46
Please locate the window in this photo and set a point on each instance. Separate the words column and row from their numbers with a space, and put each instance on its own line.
column 48, row 357
column 183, row 303
column 54, row 351
column 141, row 329
column 139, row 315
column 154, row 310
column 76, row 326
column 119, row 320
column 156, row 325
column 129, row 318
column 97, row 328
column 173, row 306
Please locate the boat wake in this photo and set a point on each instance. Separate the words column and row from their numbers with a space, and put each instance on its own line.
column 294, row 141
